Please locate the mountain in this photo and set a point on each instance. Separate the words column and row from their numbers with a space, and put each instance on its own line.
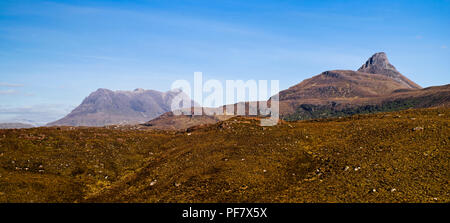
column 106, row 107
column 15, row 126
column 375, row 78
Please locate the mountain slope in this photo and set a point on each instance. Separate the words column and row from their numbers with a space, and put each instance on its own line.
column 106, row 107
column 438, row 96
column 169, row 121
column 341, row 84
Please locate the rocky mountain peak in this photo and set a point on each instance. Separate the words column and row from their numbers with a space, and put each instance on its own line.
column 379, row 64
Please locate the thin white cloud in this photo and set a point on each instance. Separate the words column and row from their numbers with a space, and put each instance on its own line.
column 8, row 92
column 444, row 47
column 2, row 84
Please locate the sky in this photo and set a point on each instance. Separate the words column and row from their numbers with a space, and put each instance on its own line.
column 55, row 53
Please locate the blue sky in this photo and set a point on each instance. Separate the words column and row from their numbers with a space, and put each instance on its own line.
column 54, row 53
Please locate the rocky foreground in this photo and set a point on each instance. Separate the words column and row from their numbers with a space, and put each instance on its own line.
column 384, row 157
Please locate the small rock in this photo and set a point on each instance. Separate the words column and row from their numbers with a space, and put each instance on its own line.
column 177, row 184
column 310, row 179
column 153, row 183
column 418, row 128
column 393, row 190
column 440, row 115
column 346, row 168
column 357, row 168
column 265, row 171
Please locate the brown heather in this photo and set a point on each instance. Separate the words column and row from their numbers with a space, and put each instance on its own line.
column 384, row 157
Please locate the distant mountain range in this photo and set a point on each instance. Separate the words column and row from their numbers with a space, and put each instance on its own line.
column 106, row 107
column 376, row 86
column 15, row 126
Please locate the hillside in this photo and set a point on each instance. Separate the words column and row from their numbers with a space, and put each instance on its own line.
column 169, row 121
column 402, row 99
column 384, row 157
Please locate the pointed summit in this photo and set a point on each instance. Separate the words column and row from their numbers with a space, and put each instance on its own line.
column 379, row 64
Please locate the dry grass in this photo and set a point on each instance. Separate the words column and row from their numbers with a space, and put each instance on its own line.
column 385, row 157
